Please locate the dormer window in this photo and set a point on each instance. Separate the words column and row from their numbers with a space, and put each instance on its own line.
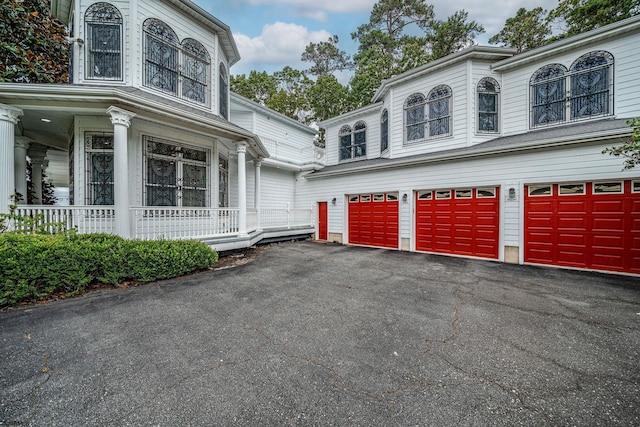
column 582, row 92
column 439, row 101
column 548, row 95
column 353, row 143
column 590, row 88
column 179, row 69
column 224, row 92
column 104, row 42
column 488, row 91
column 415, row 117
column 384, row 131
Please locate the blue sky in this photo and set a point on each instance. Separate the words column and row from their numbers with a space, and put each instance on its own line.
column 271, row 34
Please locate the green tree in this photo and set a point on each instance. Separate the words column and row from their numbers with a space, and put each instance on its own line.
column 259, row 86
column 327, row 98
column 629, row 149
column 33, row 44
column 579, row 16
column 447, row 37
column 373, row 66
column 526, row 30
column 291, row 97
column 326, row 57
column 387, row 24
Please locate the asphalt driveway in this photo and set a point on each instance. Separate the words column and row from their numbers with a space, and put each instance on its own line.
column 324, row 334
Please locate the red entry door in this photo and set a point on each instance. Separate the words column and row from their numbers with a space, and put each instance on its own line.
column 322, row 220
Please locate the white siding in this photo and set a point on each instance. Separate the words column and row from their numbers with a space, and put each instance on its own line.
column 578, row 163
column 277, row 189
column 515, row 95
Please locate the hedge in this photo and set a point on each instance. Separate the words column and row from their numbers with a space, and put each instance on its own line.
column 35, row 266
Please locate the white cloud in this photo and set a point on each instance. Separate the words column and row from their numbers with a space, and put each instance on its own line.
column 491, row 18
column 319, row 10
column 278, row 44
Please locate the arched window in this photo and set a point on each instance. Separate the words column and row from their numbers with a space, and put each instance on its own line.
column 224, row 92
column 414, row 117
column 488, row 90
column 439, row 101
column 360, row 139
column 103, row 42
column 344, row 136
column 548, row 95
column 195, row 71
column 384, row 130
column 590, row 88
column 161, row 56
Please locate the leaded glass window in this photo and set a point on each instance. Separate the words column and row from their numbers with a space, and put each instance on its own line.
column 415, row 117
column 175, row 174
column 104, row 42
column 224, row 92
column 223, row 181
column 548, row 95
column 359, row 139
column 590, row 85
column 100, row 168
column 488, row 90
column 384, row 130
column 439, row 101
column 195, row 71
column 161, row 56
column 345, row 142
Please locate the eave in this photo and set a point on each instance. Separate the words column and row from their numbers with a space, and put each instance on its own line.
column 594, row 36
column 61, row 97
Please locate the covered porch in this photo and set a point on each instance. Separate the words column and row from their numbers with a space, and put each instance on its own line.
column 200, row 190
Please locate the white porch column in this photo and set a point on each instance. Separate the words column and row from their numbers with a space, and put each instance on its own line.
column 121, row 120
column 20, row 148
column 256, row 202
column 241, row 148
column 37, row 153
column 8, row 120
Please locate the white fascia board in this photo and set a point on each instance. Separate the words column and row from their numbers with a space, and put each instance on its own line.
column 493, row 151
column 473, row 52
column 252, row 105
column 293, row 167
column 569, row 43
column 354, row 113
column 213, row 23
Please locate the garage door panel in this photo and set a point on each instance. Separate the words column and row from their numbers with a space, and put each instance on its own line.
column 464, row 224
column 373, row 220
column 608, row 206
column 599, row 231
column 577, row 206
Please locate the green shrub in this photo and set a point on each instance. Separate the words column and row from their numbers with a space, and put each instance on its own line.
column 36, row 266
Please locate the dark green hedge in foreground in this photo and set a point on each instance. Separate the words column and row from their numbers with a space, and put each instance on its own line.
column 36, row 266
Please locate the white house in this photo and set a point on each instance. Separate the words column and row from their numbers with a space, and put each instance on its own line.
column 145, row 138
column 484, row 153
column 487, row 153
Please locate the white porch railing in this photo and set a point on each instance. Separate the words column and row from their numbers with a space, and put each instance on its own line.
column 86, row 219
column 285, row 218
column 183, row 223
column 168, row 222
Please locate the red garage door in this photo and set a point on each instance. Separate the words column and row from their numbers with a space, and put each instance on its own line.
column 586, row 225
column 373, row 220
column 460, row 221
